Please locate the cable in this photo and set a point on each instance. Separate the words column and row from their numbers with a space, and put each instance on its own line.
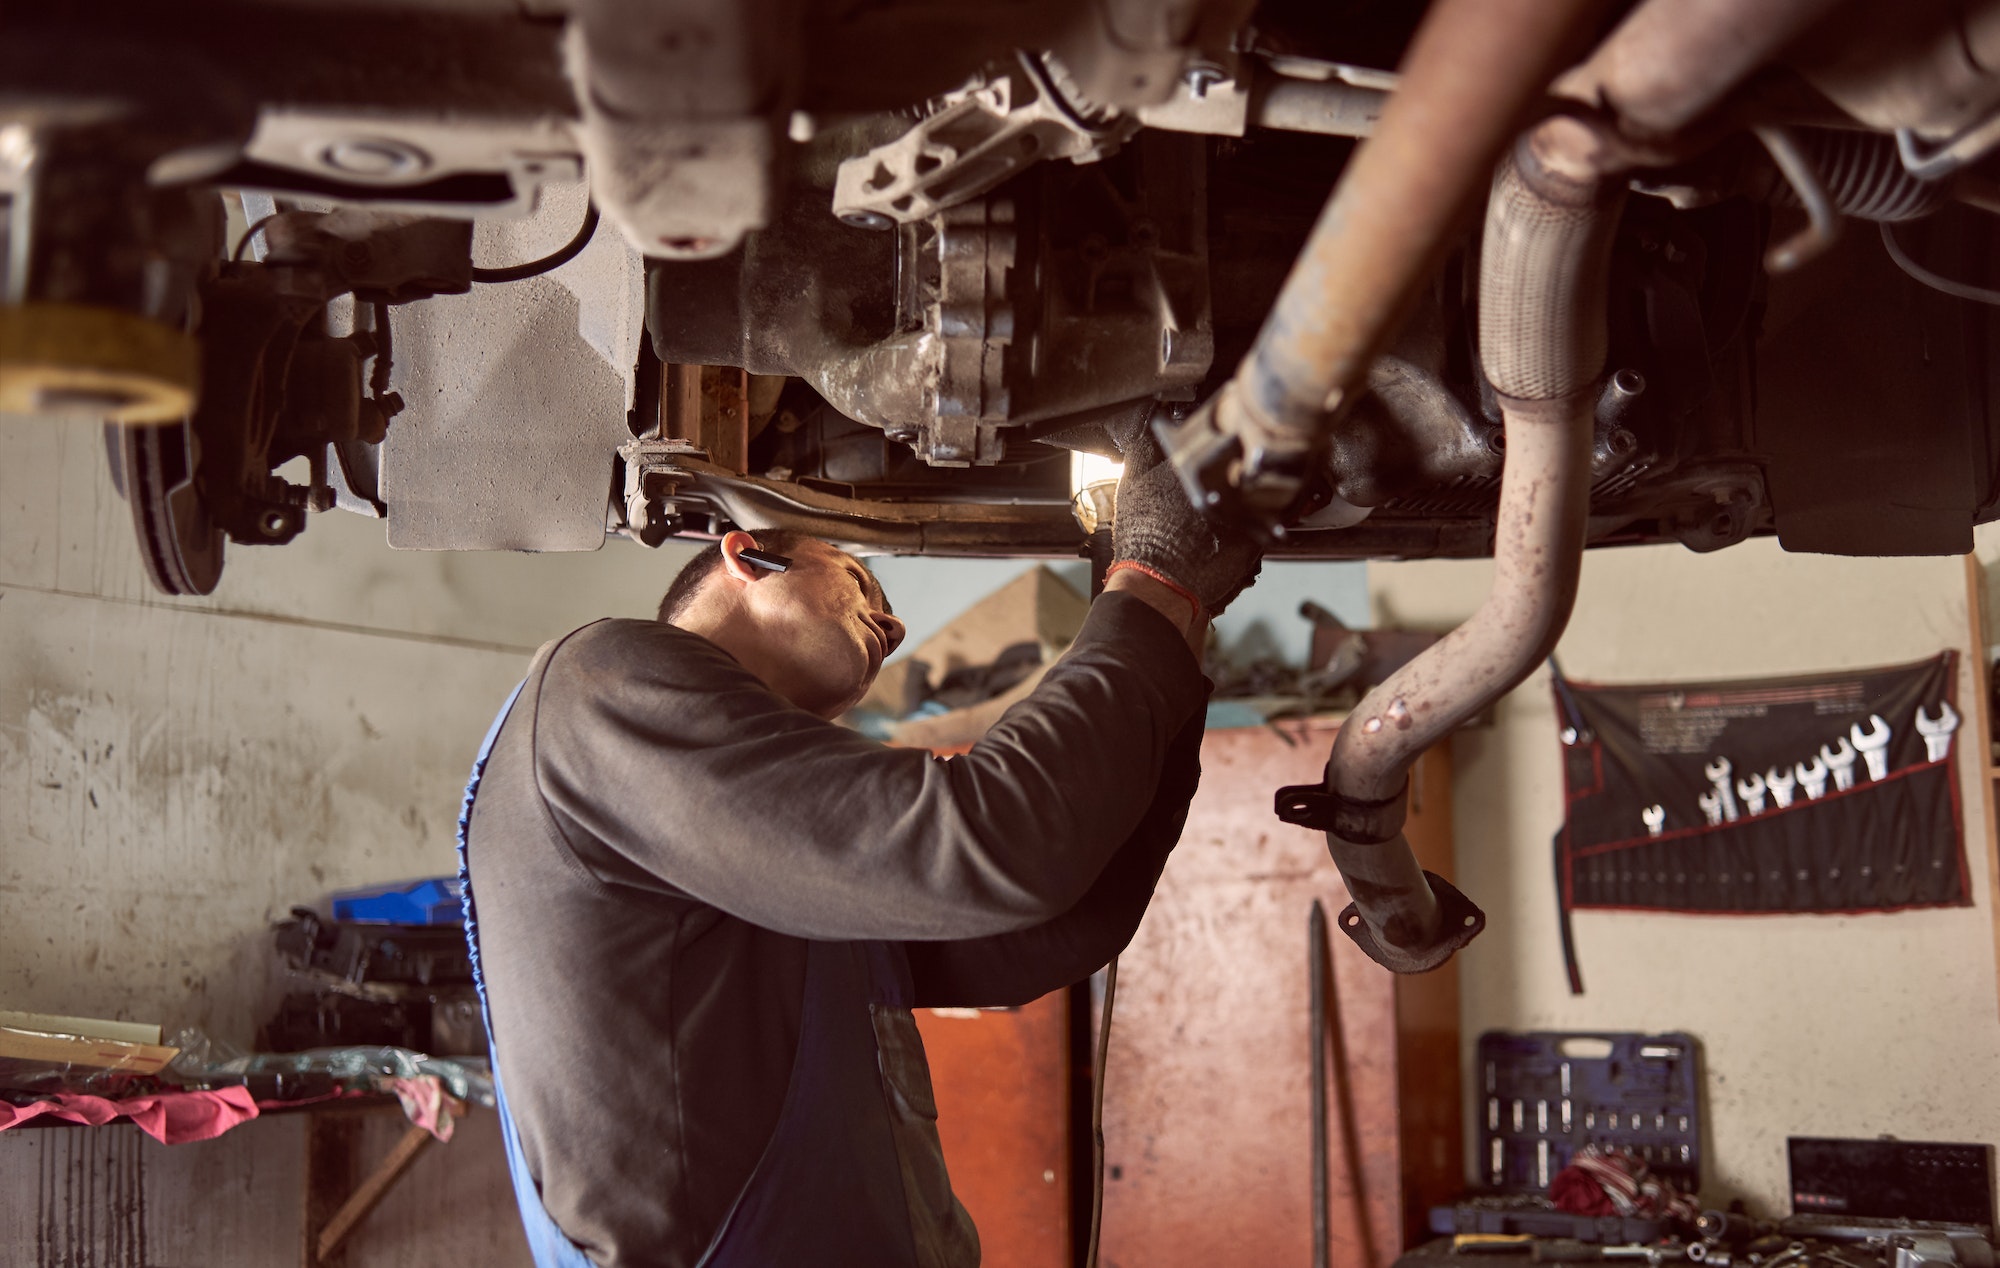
column 534, row 268
column 1964, row 290
column 243, row 243
column 1967, row 147
column 1045, row 83
column 1822, row 224
column 1097, row 1112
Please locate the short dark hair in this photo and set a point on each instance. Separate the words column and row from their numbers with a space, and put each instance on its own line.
column 696, row 572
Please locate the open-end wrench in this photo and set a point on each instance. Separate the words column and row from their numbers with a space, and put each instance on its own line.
column 1812, row 777
column 1711, row 805
column 1752, row 792
column 1718, row 772
column 1874, row 745
column 1937, row 731
column 1781, row 781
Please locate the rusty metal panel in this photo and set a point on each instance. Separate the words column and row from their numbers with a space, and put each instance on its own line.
column 1207, row 1108
column 1002, row 1084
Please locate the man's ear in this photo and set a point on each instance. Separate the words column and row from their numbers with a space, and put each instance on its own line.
column 733, row 545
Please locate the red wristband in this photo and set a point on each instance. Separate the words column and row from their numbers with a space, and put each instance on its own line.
column 1174, row 586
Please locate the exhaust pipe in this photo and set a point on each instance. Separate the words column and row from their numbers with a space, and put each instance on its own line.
column 1543, row 276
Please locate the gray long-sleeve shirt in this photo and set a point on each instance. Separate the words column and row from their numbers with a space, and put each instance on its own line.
column 657, row 835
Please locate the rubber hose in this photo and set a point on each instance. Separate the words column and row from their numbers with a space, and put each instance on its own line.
column 1864, row 177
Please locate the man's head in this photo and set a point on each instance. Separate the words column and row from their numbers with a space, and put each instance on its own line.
column 817, row 633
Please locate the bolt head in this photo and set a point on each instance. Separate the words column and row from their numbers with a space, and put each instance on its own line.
column 376, row 158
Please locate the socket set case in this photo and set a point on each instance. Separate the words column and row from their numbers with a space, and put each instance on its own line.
column 1544, row 1095
column 1524, row 1214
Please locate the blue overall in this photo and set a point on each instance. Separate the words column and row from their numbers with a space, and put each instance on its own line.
column 829, row 1188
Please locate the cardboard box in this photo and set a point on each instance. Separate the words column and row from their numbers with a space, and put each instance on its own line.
column 41, row 1039
column 1036, row 607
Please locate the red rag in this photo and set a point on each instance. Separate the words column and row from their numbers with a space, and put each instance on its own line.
column 1577, row 1191
column 172, row 1118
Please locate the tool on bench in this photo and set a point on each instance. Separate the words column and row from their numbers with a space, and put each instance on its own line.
column 1567, row 1250
column 1731, row 1228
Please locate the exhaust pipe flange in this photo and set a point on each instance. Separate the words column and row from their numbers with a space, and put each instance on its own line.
column 1459, row 921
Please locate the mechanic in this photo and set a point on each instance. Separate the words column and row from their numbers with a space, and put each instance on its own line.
column 704, row 909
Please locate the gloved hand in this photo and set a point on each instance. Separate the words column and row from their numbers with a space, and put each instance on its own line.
column 1156, row 527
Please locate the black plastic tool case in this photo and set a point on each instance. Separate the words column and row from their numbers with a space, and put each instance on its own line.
column 1544, row 1095
column 1531, row 1215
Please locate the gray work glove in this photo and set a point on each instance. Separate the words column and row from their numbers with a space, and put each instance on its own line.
column 1156, row 527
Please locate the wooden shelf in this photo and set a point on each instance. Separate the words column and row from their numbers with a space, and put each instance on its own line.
column 1981, row 577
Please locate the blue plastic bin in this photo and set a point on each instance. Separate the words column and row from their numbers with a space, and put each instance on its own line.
column 436, row 901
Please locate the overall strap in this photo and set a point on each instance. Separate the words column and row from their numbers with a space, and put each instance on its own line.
column 548, row 1247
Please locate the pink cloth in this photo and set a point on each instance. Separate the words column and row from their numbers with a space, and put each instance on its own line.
column 428, row 1105
column 172, row 1118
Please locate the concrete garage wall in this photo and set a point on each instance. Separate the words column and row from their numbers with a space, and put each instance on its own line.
column 175, row 774
column 1811, row 1025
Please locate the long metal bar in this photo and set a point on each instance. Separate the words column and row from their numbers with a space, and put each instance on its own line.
column 1473, row 70
column 1099, row 1058
column 1318, row 952
column 1326, row 107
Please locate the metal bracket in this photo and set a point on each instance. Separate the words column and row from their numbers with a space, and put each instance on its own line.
column 988, row 131
column 1349, row 818
column 1459, row 921
column 650, row 462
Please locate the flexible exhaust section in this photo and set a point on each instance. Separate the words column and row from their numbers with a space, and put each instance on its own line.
column 1542, row 295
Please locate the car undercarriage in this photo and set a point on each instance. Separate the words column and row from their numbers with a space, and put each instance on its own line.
column 1482, row 277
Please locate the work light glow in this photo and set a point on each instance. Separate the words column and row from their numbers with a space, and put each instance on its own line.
column 1087, row 469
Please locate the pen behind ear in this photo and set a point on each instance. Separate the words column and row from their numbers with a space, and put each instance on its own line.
column 769, row 560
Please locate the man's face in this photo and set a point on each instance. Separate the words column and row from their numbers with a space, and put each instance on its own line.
column 826, row 628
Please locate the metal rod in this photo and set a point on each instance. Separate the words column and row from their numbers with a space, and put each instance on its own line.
column 1097, row 1112
column 1472, row 71
column 1317, row 952
column 1326, row 107
column 1822, row 222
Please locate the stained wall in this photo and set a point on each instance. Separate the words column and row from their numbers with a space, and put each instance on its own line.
column 175, row 774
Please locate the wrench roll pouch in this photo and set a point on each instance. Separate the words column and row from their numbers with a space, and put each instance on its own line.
column 1824, row 793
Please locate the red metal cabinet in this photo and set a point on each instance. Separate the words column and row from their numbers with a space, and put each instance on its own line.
column 1207, row 1106
column 1002, row 1084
